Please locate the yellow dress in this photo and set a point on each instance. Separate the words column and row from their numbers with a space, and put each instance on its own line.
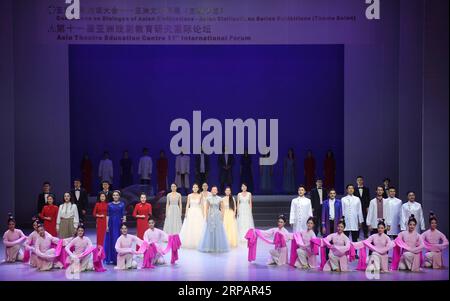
column 230, row 223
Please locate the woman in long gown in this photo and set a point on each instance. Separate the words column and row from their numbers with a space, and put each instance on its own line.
column 214, row 238
column 329, row 172
column 45, row 254
column 410, row 260
column 126, row 170
column 80, row 243
column 306, row 259
column 229, row 218
column 100, row 213
column 162, row 171
column 156, row 236
column 246, row 170
column 378, row 261
column 172, row 223
column 266, row 173
column 86, row 173
column 278, row 256
column 309, row 170
column 191, row 231
column 13, row 240
column 289, row 182
column 435, row 242
column 244, row 211
column 125, row 247
column 116, row 216
column 142, row 212
column 337, row 257
column 49, row 215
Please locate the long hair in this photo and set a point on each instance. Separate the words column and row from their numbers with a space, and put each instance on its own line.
column 230, row 198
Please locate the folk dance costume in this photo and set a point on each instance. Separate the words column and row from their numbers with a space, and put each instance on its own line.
column 339, row 244
column 379, row 244
column 80, row 259
column 13, row 241
column 126, row 251
column 30, row 243
column 156, row 236
column 47, row 253
column 435, row 242
column 408, row 251
column 306, row 258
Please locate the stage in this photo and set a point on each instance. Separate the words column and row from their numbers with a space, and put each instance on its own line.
column 197, row 266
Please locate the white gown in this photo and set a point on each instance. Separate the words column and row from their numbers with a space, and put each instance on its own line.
column 191, row 231
column 245, row 217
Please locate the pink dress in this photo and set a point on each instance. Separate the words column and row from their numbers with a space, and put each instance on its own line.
column 79, row 245
column 13, row 241
column 30, row 245
column 45, row 254
column 337, row 258
column 435, row 241
column 156, row 236
column 126, row 249
column 379, row 260
column 278, row 256
column 410, row 260
column 306, row 259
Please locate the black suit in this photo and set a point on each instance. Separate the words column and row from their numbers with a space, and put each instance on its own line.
column 225, row 175
column 316, row 205
column 365, row 202
column 201, row 177
column 41, row 202
column 82, row 202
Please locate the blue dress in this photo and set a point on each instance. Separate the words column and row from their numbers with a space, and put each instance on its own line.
column 115, row 214
column 214, row 238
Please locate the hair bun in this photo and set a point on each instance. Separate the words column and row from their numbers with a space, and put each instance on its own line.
column 411, row 216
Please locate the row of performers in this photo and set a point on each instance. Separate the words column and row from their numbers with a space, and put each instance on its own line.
column 411, row 250
column 77, row 254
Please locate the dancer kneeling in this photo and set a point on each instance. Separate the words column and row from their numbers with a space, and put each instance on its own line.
column 155, row 236
column 435, row 242
column 410, row 243
column 30, row 243
column 380, row 244
column 46, row 256
column 13, row 240
column 81, row 258
column 339, row 245
column 306, row 258
column 279, row 254
column 126, row 249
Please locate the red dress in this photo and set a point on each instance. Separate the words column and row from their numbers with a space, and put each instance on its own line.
column 142, row 223
column 50, row 225
column 86, row 175
column 329, row 166
column 162, row 167
column 101, row 208
column 310, row 172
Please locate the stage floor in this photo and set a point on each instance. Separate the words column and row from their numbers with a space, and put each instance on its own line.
column 197, row 266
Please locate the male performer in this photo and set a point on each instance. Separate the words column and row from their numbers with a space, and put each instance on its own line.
column 318, row 195
column 412, row 207
column 394, row 210
column 80, row 198
column 42, row 197
column 301, row 210
column 331, row 213
column 352, row 212
column 226, row 162
column 377, row 211
column 362, row 192
column 182, row 169
column 105, row 169
column 201, row 168
column 386, row 185
column 106, row 189
column 145, row 167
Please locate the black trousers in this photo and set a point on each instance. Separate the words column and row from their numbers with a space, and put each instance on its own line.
column 354, row 235
column 330, row 230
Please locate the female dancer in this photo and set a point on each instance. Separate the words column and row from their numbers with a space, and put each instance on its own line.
column 278, row 256
column 81, row 243
column 156, row 236
column 13, row 240
column 435, row 241
column 126, row 249
column 214, row 238
column 191, row 231
column 45, row 254
column 410, row 260
column 244, row 210
column 172, row 223
column 379, row 259
column 30, row 242
column 142, row 211
column 339, row 244
column 306, row 259
column 228, row 209
column 100, row 213
column 116, row 216
column 49, row 214
column 67, row 221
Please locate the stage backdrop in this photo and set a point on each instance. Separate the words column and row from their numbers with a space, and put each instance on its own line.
column 125, row 97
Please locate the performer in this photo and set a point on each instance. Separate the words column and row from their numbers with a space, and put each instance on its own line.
column 100, row 212
column 386, row 186
column 105, row 169
column 80, row 198
column 205, row 193
column 214, row 238
column 412, row 208
column 191, row 231
column 226, row 162
column 352, row 210
column 162, row 171
column 13, row 240
column 49, row 215
column 106, row 190
column 435, row 242
column 301, row 210
column 172, row 223
column 394, row 208
column 67, row 220
column 331, row 213
column 278, row 256
column 378, row 209
column 306, row 259
column 318, row 195
column 337, row 258
column 410, row 260
column 228, row 210
column 310, row 170
column 125, row 247
column 45, row 254
column 142, row 212
column 86, row 173
column 42, row 197
column 201, row 167
column 30, row 243
column 126, row 170
column 244, row 211
column 246, row 170
column 145, row 168
column 156, row 236
column 81, row 244
column 266, row 174
column 116, row 216
column 182, row 170
column 363, row 193
column 289, row 174
column 378, row 260
column 329, row 172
